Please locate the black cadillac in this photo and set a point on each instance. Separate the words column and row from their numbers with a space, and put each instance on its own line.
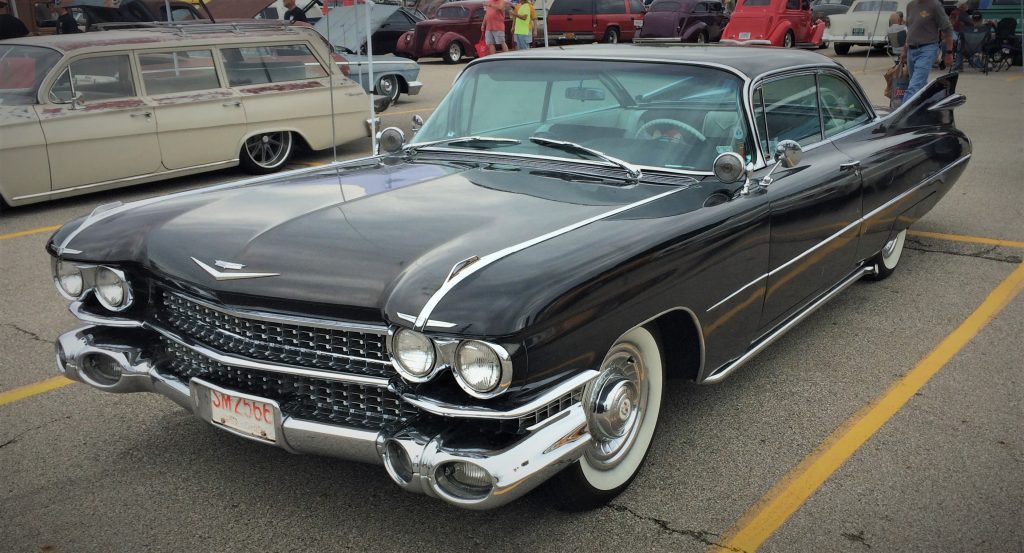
column 498, row 302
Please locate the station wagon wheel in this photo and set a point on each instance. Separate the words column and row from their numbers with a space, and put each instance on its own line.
column 267, row 152
column 611, row 36
column 622, row 406
column 887, row 259
column 454, row 52
column 788, row 41
column 388, row 86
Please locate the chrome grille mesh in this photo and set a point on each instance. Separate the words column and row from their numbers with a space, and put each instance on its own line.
column 549, row 410
column 329, row 401
column 293, row 344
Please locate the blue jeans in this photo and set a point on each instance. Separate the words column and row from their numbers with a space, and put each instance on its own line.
column 522, row 42
column 919, row 62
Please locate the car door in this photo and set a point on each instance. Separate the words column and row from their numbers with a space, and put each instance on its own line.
column 108, row 134
column 284, row 87
column 815, row 206
column 199, row 120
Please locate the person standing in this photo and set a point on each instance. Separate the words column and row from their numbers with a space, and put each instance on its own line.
column 66, row 23
column 927, row 24
column 959, row 18
column 294, row 13
column 523, row 28
column 10, row 26
column 493, row 26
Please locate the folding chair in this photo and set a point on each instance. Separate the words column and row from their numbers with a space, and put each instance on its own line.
column 975, row 43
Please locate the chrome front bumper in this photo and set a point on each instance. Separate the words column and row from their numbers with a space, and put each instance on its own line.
column 414, row 88
column 514, row 469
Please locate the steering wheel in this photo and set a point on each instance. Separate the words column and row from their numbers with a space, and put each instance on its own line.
column 645, row 130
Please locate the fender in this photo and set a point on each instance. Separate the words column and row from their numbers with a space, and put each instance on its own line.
column 270, row 128
column 400, row 46
column 817, row 31
column 780, row 31
column 692, row 31
column 451, row 36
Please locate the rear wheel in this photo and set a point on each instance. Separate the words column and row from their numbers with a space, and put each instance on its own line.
column 887, row 259
column 267, row 152
column 788, row 41
column 389, row 86
column 622, row 406
column 841, row 48
column 611, row 36
column 702, row 37
column 454, row 52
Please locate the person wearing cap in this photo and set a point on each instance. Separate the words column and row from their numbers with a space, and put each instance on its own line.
column 927, row 24
column 10, row 26
column 66, row 23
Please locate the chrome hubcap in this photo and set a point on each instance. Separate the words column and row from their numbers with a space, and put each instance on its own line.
column 889, row 248
column 454, row 51
column 614, row 405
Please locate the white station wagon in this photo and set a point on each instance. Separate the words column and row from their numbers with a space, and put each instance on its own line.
column 93, row 111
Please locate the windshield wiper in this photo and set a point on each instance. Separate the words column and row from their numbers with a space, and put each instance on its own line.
column 631, row 170
column 467, row 141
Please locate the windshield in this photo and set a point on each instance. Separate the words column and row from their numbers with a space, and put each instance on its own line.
column 452, row 12
column 756, row 3
column 874, row 6
column 668, row 116
column 22, row 69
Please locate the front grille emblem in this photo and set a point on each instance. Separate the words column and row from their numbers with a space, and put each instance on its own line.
column 227, row 265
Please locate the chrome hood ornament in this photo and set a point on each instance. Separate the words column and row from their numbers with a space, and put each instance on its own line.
column 227, row 265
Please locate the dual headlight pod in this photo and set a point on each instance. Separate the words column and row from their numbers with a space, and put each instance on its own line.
column 482, row 369
column 112, row 289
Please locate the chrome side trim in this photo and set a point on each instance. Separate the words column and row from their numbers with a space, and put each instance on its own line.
column 287, row 319
column 728, row 369
column 445, row 409
column 243, row 363
column 491, row 258
column 168, row 173
column 862, row 220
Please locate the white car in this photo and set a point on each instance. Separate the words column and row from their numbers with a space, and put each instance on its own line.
column 866, row 23
column 93, row 111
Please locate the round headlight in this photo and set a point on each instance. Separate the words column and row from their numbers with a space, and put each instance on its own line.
column 69, row 280
column 112, row 289
column 413, row 353
column 479, row 369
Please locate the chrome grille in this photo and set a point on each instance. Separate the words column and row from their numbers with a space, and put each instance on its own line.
column 549, row 410
column 276, row 341
column 316, row 399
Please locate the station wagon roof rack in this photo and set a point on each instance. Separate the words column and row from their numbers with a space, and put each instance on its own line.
column 187, row 29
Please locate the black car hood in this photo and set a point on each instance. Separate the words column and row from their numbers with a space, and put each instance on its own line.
column 377, row 239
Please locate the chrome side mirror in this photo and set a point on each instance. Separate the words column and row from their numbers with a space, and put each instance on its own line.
column 417, row 122
column 390, row 141
column 787, row 155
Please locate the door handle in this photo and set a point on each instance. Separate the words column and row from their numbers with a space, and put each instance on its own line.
column 850, row 166
column 235, row 104
column 145, row 114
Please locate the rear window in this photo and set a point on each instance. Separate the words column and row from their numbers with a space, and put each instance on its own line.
column 183, row 71
column 452, row 12
column 875, row 5
column 270, row 64
column 665, row 7
column 569, row 7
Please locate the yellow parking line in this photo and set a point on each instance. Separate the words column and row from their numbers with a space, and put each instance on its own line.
column 1015, row 77
column 30, row 390
column 29, row 232
column 770, row 512
column 967, row 239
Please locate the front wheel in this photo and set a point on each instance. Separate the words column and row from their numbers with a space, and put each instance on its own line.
column 611, row 36
column 886, row 260
column 788, row 41
column 622, row 406
column 454, row 52
column 389, row 86
column 266, row 153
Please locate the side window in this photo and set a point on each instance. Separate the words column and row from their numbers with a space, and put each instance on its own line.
column 791, row 111
column 575, row 97
column 478, row 15
column 611, row 6
column 270, row 64
column 792, row 4
column 97, row 79
column 841, row 109
column 700, row 7
column 396, row 19
column 184, row 71
column 569, row 7
column 636, row 7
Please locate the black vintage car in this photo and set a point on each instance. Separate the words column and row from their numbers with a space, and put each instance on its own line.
column 499, row 302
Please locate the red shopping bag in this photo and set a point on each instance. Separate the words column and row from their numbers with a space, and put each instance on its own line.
column 481, row 48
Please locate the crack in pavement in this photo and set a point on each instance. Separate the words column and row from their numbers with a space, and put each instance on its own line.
column 28, row 333
column 699, row 535
column 983, row 254
column 33, row 429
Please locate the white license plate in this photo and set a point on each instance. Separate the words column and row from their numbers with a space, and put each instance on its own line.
column 248, row 416
column 744, row 36
column 638, row 23
column 857, row 31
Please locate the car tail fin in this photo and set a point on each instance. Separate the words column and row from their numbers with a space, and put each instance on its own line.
column 932, row 105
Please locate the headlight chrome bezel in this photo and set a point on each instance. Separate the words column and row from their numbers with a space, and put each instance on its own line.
column 127, row 298
column 504, row 367
column 446, row 356
column 90, row 274
column 408, row 375
column 56, row 266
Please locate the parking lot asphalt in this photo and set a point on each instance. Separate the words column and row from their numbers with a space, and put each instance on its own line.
column 87, row 471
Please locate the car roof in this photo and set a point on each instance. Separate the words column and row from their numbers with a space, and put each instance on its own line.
column 157, row 36
column 751, row 61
